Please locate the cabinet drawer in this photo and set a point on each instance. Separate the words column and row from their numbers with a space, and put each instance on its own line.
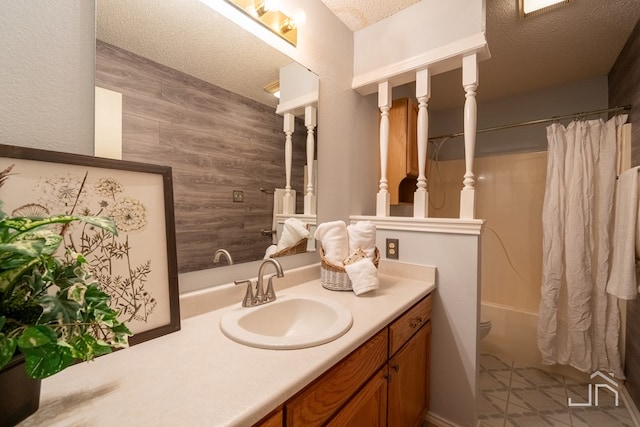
column 275, row 419
column 408, row 324
column 317, row 403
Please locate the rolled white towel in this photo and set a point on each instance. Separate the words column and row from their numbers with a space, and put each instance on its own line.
column 362, row 235
column 335, row 243
column 271, row 249
column 293, row 230
column 363, row 275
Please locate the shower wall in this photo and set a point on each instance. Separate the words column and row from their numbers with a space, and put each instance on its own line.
column 510, row 166
column 510, row 190
column 624, row 88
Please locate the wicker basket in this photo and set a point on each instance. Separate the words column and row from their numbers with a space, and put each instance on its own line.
column 334, row 277
column 299, row 248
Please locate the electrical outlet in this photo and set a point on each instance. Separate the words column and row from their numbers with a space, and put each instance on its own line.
column 238, row 196
column 393, row 247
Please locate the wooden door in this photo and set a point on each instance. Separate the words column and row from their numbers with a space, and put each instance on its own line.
column 409, row 381
column 368, row 408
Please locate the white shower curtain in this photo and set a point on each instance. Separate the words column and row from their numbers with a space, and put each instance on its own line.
column 578, row 322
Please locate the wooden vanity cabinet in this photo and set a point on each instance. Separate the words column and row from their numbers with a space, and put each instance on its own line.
column 368, row 407
column 409, row 381
column 384, row 382
column 409, row 353
column 275, row 419
column 318, row 402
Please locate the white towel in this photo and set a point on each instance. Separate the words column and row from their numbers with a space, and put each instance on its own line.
column 271, row 249
column 622, row 279
column 362, row 235
column 335, row 243
column 278, row 207
column 293, row 230
column 363, row 275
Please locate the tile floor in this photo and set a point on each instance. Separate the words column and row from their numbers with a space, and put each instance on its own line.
column 514, row 395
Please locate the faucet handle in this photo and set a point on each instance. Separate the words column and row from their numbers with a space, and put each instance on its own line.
column 270, row 295
column 248, row 300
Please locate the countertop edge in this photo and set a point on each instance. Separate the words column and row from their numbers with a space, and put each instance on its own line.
column 128, row 376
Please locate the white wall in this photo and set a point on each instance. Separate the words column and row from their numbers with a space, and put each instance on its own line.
column 454, row 380
column 453, row 247
column 347, row 122
column 586, row 95
column 47, row 77
column 427, row 25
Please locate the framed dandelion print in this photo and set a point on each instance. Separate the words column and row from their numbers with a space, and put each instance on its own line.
column 138, row 266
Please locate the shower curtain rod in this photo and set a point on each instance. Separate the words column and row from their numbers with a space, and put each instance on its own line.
column 535, row 122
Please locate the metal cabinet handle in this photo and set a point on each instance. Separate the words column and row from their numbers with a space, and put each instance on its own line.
column 415, row 322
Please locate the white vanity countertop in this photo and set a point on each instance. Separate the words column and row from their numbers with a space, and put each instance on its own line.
column 199, row 377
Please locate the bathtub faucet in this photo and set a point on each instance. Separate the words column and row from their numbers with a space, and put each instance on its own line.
column 227, row 255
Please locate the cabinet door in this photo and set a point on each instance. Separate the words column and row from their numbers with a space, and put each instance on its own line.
column 409, row 381
column 274, row 420
column 322, row 399
column 402, row 157
column 368, row 408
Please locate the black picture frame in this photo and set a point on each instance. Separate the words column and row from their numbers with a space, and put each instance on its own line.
column 29, row 166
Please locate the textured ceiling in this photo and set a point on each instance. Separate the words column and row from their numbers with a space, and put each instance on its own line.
column 191, row 37
column 357, row 14
column 572, row 43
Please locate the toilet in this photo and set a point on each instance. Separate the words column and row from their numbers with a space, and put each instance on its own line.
column 485, row 327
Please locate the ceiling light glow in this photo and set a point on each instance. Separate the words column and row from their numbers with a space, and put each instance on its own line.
column 528, row 7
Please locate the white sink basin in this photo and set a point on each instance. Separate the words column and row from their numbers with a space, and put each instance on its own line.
column 289, row 322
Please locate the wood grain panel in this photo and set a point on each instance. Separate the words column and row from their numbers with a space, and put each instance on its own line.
column 136, row 128
column 272, row 420
column 368, row 407
column 409, row 381
column 215, row 142
column 624, row 88
column 314, row 405
column 407, row 325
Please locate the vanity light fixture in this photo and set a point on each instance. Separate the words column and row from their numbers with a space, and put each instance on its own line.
column 534, row 7
column 266, row 13
column 273, row 89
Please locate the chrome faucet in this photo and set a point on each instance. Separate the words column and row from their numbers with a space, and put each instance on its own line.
column 261, row 297
column 227, row 255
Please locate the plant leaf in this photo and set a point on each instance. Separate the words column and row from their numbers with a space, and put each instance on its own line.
column 86, row 347
column 76, row 293
column 20, row 250
column 7, row 349
column 46, row 360
column 22, row 224
column 36, row 336
column 61, row 310
column 101, row 222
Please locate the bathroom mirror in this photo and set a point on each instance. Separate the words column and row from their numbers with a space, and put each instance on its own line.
column 193, row 98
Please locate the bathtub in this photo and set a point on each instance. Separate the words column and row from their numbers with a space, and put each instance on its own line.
column 514, row 338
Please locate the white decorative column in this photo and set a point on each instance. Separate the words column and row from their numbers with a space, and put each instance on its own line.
column 310, row 122
column 383, row 200
column 423, row 93
column 288, row 206
column 470, row 83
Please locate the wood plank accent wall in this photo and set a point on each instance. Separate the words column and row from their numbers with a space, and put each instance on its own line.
column 215, row 141
column 624, row 88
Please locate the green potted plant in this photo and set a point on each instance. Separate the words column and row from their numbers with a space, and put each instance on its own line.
column 52, row 311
